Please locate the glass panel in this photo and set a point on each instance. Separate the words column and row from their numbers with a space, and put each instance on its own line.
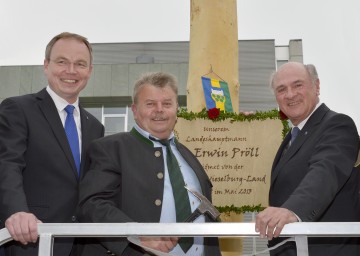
column 97, row 112
column 114, row 125
column 114, row 118
column 279, row 63
column 131, row 120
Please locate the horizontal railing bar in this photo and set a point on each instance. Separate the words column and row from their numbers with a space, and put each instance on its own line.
column 228, row 229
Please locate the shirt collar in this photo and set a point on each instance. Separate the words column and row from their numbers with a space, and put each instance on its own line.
column 148, row 135
column 61, row 103
column 302, row 123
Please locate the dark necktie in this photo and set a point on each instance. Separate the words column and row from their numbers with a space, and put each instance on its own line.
column 72, row 135
column 294, row 134
column 181, row 197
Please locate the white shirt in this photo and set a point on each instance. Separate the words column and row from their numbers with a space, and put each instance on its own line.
column 168, row 212
column 60, row 104
column 303, row 122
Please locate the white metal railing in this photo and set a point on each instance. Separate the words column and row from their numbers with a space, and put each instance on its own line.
column 47, row 231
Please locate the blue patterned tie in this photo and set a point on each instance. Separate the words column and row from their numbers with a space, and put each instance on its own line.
column 72, row 135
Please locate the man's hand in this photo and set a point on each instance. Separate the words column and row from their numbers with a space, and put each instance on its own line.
column 163, row 244
column 22, row 227
column 272, row 220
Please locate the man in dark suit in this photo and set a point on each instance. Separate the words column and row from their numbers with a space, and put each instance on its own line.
column 133, row 180
column 38, row 172
column 312, row 177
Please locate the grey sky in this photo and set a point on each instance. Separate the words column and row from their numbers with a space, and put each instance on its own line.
column 329, row 30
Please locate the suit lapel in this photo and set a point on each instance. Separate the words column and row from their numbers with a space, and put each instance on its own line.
column 290, row 152
column 193, row 164
column 190, row 163
column 48, row 108
column 303, row 135
column 85, row 136
column 279, row 158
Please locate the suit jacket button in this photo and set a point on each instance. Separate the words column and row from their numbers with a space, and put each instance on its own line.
column 157, row 202
column 160, row 175
column 157, row 153
column 73, row 218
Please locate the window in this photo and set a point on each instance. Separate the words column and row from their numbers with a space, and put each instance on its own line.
column 115, row 119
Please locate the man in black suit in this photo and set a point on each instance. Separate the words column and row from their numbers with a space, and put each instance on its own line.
column 129, row 179
column 313, row 176
column 38, row 173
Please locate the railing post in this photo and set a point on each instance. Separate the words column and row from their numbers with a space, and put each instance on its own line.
column 302, row 245
column 46, row 245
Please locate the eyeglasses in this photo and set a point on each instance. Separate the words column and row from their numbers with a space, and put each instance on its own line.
column 66, row 63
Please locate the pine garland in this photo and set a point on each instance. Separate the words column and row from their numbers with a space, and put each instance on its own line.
column 234, row 117
column 242, row 209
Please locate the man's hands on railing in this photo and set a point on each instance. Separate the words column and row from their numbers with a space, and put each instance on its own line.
column 163, row 244
column 272, row 220
column 22, row 227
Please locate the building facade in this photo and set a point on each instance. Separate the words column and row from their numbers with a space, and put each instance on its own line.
column 117, row 66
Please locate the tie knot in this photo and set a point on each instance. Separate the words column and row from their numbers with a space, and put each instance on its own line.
column 69, row 109
column 295, row 131
column 165, row 142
